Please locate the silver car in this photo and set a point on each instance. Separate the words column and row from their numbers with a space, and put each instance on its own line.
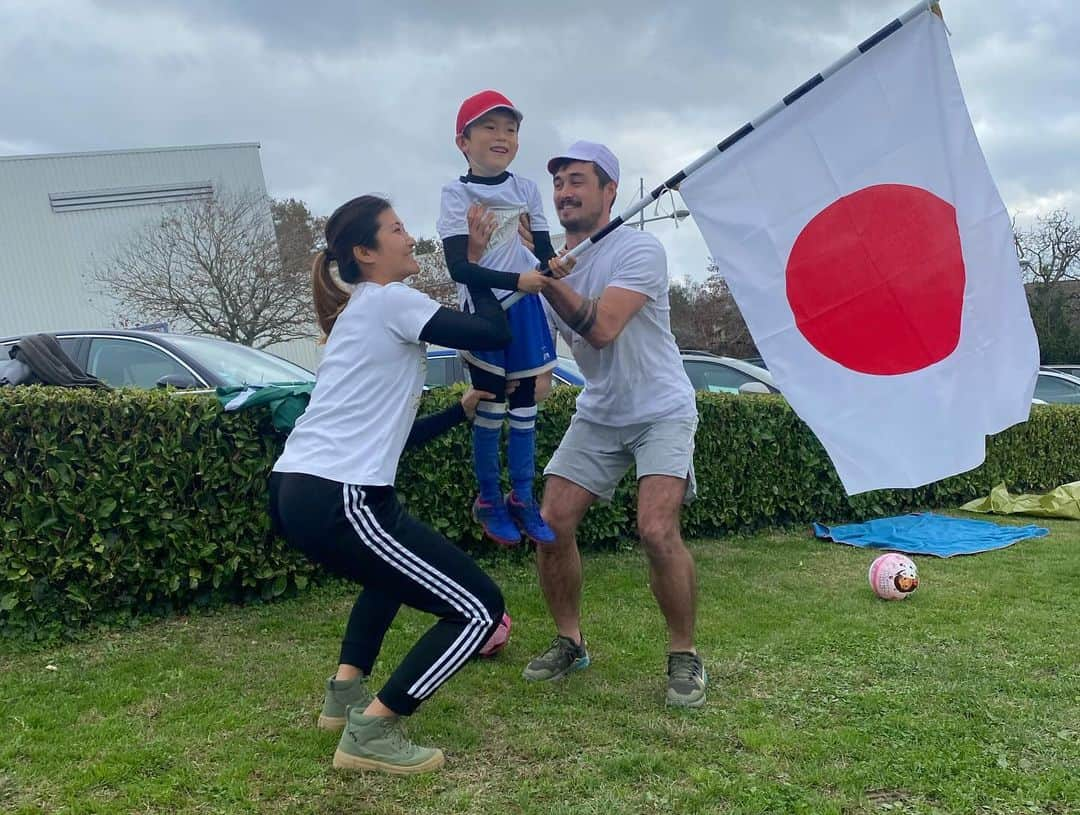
column 716, row 374
column 1054, row 387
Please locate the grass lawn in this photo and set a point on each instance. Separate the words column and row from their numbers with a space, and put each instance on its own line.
column 963, row 699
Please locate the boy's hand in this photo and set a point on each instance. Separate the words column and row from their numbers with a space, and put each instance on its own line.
column 481, row 227
column 471, row 398
column 532, row 282
column 525, row 231
column 561, row 266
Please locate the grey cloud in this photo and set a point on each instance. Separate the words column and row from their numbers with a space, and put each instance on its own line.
column 351, row 96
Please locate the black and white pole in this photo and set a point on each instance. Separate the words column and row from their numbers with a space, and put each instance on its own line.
column 748, row 128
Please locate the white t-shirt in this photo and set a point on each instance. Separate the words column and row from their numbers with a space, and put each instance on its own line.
column 367, row 389
column 639, row 377
column 507, row 200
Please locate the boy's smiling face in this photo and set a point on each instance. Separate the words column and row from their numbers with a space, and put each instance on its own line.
column 491, row 143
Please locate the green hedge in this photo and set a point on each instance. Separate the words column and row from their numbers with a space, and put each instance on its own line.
column 115, row 505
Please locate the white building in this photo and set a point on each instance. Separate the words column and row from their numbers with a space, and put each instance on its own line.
column 62, row 213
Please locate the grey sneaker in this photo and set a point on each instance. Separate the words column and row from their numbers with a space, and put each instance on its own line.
column 379, row 743
column 339, row 695
column 563, row 657
column 686, row 679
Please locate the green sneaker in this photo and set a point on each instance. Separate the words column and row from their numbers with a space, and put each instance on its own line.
column 686, row 679
column 563, row 657
column 339, row 695
column 380, row 743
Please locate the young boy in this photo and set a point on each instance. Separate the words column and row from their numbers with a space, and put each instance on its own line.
column 487, row 133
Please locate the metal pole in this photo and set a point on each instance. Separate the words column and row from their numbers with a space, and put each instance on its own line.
column 641, row 194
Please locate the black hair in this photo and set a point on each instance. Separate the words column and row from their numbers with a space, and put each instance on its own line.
column 354, row 223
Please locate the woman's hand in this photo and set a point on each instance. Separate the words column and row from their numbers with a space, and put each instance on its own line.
column 471, row 398
column 532, row 282
column 543, row 386
column 482, row 225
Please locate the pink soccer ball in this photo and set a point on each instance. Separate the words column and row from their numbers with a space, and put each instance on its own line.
column 893, row 576
column 497, row 641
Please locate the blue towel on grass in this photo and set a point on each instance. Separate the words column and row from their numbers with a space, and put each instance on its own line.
column 924, row 533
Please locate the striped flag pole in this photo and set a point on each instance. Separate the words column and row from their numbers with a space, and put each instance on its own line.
column 748, row 128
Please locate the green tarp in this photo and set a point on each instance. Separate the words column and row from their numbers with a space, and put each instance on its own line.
column 1060, row 502
column 286, row 401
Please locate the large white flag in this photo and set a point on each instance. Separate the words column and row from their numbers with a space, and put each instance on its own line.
column 873, row 260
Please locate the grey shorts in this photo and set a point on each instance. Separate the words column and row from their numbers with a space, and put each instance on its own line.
column 596, row 456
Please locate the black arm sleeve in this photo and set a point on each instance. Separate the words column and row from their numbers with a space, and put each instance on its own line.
column 428, row 427
column 456, row 252
column 486, row 330
column 543, row 250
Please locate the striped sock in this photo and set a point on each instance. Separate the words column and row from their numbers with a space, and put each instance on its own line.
column 521, row 451
column 487, row 433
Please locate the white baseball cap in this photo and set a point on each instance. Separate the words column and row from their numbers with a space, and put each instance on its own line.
column 589, row 151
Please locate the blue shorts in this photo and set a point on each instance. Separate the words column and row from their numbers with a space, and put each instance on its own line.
column 531, row 350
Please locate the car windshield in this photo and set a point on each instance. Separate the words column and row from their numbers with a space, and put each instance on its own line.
column 239, row 364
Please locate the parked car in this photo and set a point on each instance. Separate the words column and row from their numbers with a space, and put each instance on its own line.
column 707, row 372
column 726, row 374
column 1054, row 387
column 444, row 367
column 148, row 359
column 1071, row 370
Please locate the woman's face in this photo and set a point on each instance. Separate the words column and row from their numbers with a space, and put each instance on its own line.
column 394, row 252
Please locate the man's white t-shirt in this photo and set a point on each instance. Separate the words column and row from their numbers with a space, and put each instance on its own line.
column 367, row 389
column 506, row 200
column 639, row 377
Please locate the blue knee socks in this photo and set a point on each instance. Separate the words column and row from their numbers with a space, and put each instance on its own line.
column 521, row 451
column 487, row 463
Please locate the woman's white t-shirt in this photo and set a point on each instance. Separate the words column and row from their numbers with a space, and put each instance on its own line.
column 367, row 389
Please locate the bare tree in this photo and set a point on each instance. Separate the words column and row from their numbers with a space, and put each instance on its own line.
column 434, row 279
column 213, row 267
column 1049, row 255
column 299, row 234
column 704, row 316
column 1049, row 251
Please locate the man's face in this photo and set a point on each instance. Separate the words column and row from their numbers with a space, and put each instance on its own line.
column 580, row 202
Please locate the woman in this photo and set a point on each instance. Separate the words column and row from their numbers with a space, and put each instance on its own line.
column 332, row 490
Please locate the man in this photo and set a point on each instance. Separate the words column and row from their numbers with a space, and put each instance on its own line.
column 637, row 407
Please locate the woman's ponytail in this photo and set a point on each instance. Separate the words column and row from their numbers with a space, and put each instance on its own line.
column 330, row 297
column 354, row 223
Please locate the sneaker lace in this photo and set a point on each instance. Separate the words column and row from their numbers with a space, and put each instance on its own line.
column 395, row 733
column 684, row 667
column 560, row 646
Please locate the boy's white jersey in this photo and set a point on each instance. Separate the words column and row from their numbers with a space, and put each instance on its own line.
column 507, row 200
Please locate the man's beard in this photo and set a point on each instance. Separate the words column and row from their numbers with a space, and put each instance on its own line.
column 580, row 220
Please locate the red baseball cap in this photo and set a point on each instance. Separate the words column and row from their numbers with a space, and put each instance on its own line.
column 480, row 103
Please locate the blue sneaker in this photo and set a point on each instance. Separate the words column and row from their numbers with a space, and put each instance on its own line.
column 496, row 521
column 526, row 515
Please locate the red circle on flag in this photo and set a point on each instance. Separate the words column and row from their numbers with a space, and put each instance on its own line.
column 876, row 280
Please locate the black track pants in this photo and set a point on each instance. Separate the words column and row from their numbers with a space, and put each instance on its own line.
column 363, row 533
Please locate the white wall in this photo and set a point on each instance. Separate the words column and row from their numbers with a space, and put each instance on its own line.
column 46, row 256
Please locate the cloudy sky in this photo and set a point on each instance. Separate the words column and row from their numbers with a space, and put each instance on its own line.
column 351, row 96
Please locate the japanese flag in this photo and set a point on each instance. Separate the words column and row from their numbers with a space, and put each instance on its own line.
column 873, row 260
